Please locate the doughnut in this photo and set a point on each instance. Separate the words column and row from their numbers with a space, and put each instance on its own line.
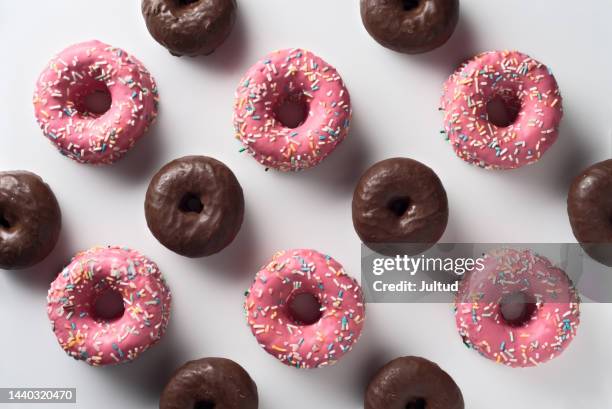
column 400, row 200
column 291, row 79
column 194, row 206
column 533, row 106
column 287, row 284
column 30, row 220
column 189, row 27
column 412, row 382
column 77, row 73
column 410, row 26
column 519, row 310
column 210, row 383
column 108, row 275
column 589, row 206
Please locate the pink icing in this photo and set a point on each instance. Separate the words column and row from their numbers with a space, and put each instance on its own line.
column 512, row 76
column 286, row 74
column 97, row 341
column 543, row 336
column 78, row 71
column 294, row 272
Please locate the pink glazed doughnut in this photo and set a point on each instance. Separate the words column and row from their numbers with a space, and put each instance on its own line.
column 100, row 272
column 519, row 310
column 291, row 274
column 80, row 71
column 526, row 86
column 299, row 77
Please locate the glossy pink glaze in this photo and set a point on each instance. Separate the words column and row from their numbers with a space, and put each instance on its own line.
column 72, row 295
column 78, row 71
column 544, row 336
column 266, row 85
column 512, row 76
column 294, row 272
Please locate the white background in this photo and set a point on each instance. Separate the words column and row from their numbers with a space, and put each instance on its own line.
column 395, row 100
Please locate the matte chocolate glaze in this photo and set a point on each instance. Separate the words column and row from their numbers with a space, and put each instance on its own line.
column 400, row 200
column 412, row 383
column 589, row 206
column 30, row 220
column 190, row 27
column 194, row 206
column 410, row 26
column 210, row 383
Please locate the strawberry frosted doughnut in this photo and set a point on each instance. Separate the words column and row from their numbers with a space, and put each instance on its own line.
column 295, row 78
column 519, row 310
column 107, row 274
column 75, row 74
column 525, row 86
column 295, row 339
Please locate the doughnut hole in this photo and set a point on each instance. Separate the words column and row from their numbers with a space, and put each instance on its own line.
column 409, row 5
column 292, row 110
column 108, row 305
column 503, row 109
column 304, row 309
column 517, row 308
column 93, row 99
column 4, row 222
column 191, row 203
column 417, row 403
column 204, row 404
column 182, row 3
column 399, row 205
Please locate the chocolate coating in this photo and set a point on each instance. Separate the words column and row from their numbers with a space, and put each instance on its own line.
column 30, row 220
column 190, row 27
column 217, row 383
column 412, row 383
column 410, row 26
column 194, row 206
column 589, row 206
column 400, row 200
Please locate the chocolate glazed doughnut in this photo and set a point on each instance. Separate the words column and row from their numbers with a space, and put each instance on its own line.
column 210, row 383
column 194, row 206
column 400, row 200
column 30, row 220
column 589, row 206
column 190, row 27
column 410, row 26
column 412, row 383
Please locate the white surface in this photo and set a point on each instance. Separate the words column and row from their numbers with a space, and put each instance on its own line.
column 395, row 100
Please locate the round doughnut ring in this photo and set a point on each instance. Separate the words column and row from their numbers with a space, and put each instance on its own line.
column 210, row 383
column 589, row 207
column 64, row 115
column 291, row 277
column 528, row 91
column 30, row 219
column 300, row 79
column 519, row 310
column 108, row 275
